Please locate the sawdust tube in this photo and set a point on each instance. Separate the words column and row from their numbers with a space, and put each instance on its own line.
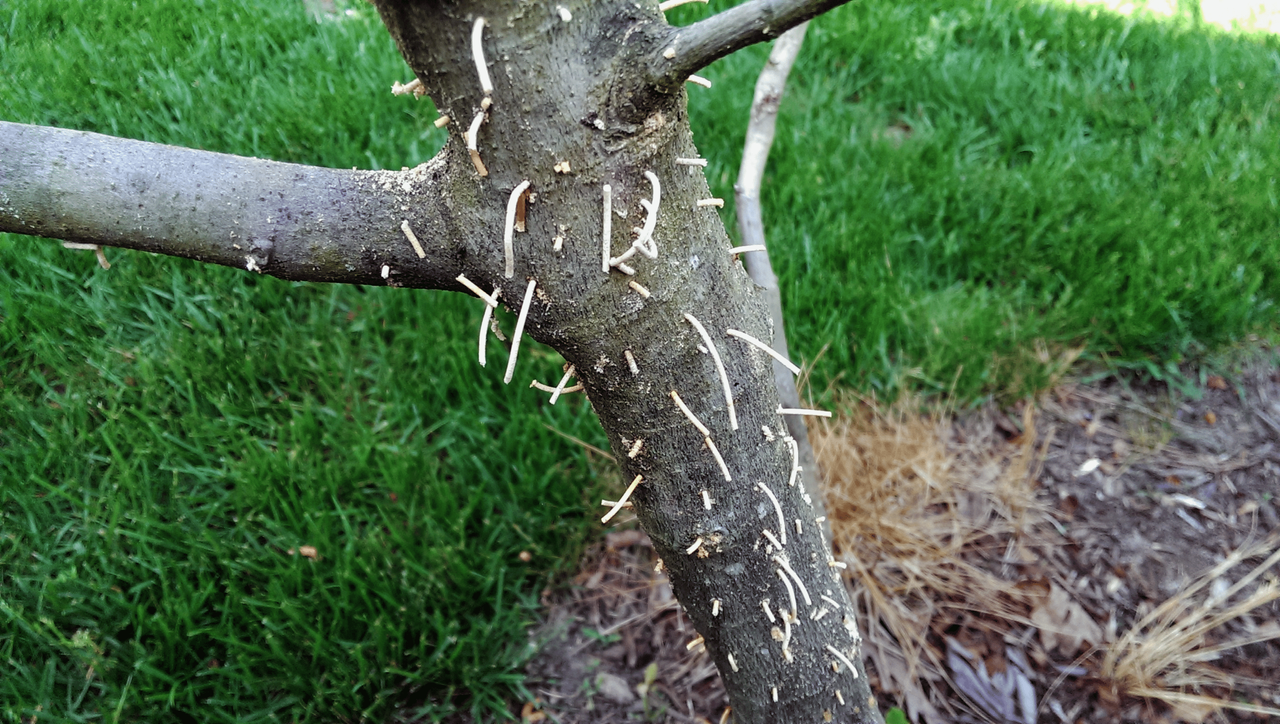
column 746, row 194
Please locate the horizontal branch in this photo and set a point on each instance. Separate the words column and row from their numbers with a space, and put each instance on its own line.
column 287, row 220
column 699, row 45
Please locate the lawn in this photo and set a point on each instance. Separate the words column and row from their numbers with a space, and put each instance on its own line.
column 172, row 435
column 960, row 192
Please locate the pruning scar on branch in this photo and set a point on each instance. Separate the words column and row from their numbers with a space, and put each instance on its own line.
column 515, row 339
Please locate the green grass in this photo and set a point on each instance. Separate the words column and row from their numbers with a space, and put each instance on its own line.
column 169, row 432
column 1070, row 178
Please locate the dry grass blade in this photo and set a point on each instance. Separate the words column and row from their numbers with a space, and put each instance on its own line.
column 582, row 443
column 906, row 501
column 1163, row 653
column 1182, row 700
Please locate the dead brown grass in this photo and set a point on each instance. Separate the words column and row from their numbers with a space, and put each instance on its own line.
column 924, row 512
column 1162, row 655
column 908, row 499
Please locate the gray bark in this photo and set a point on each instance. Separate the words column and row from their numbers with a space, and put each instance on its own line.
column 755, row 156
column 287, row 220
column 564, row 91
column 751, row 22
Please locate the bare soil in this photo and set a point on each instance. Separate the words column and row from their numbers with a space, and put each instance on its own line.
column 1138, row 489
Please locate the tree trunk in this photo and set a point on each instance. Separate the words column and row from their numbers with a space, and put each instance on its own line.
column 746, row 196
column 584, row 95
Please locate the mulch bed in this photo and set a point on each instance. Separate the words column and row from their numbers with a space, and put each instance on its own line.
column 615, row 645
column 1142, row 491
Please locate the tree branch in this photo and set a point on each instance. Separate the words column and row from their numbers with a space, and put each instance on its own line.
column 706, row 41
column 755, row 155
column 287, row 220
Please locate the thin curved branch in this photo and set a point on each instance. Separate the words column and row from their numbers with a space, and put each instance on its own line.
column 287, row 220
column 697, row 46
column 755, row 155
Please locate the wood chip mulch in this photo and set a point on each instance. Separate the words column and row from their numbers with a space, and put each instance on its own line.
column 1145, row 489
